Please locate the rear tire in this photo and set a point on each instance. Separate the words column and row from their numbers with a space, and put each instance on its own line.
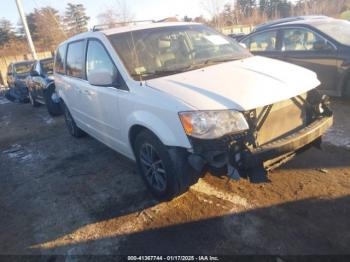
column 72, row 127
column 165, row 171
column 53, row 108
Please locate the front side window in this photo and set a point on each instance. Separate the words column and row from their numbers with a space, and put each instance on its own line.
column 265, row 41
column 302, row 39
column 75, row 59
column 59, row 61
column 98, row 61
column 157, row 52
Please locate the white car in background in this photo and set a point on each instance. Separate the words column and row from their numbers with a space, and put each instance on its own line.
column 180, row 98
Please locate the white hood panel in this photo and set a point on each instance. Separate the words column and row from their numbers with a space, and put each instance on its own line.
column 241, row 85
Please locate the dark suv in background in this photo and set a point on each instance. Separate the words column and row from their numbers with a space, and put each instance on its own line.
column 320, row 44
column 41, row 86
column 16, row 80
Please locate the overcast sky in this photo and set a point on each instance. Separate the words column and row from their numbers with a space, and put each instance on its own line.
column 142, row 9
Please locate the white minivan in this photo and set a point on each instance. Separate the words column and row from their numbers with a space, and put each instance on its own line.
column 181, row 98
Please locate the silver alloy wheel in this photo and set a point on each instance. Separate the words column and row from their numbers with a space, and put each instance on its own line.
column 152, row 167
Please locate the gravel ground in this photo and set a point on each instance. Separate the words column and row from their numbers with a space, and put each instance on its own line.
column 60, row 195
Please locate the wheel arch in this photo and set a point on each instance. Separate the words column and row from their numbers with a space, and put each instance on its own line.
column 169, row 134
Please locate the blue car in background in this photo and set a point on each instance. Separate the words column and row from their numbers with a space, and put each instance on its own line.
column 16, row 80
column 41, row 86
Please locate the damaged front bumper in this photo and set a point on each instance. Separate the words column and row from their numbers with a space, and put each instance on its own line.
column 291, row 143
column 240, row 156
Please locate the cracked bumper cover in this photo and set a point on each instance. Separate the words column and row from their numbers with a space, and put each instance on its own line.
column 251, row 158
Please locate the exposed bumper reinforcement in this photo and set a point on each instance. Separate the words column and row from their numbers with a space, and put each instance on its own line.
column 288, row 144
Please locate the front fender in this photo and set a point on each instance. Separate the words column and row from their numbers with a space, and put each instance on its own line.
column 170, row 133
column 61, row 96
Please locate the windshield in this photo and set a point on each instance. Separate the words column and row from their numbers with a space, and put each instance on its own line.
column 155, row 52
column 23, row 68
column 338, row 30
column 47, row 66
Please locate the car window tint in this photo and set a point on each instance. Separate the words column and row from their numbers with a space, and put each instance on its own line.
column 262, row 42
column 59, row 61
column 97, row 60
column 75, row 59
column 300, row 39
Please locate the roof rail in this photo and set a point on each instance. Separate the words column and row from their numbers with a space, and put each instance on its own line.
column 116, row 24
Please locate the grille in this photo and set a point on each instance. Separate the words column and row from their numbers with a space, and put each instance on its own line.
column 280, row 119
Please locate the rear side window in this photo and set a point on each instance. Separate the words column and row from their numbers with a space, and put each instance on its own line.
column 265, row 41
column 59, row 61
column 75, row 59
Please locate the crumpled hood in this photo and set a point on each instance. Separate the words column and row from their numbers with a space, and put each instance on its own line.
column 241, row 85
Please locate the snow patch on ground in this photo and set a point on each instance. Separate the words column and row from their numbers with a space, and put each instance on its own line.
column 19, row 153
column 3, row 100
column 48, row 120
column 337, row 137
column 205, row 188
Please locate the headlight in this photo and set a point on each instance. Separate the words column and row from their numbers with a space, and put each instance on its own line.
column 51, row 77
column 213, row 124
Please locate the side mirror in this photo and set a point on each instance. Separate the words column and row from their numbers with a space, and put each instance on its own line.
column 34, row 73
column 243, row 45
column 321, row 45
column 101, row 77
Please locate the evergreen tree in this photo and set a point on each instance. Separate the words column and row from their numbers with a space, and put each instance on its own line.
column 6, row 31
column 75, row 19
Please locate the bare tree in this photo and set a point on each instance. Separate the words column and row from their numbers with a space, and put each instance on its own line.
column 109, row 17
column 117, row 15
column 214, row 9
column 49, row 31
column 124, row 10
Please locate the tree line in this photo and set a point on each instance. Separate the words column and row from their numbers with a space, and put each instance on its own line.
column 254, row 12
column 47, row 28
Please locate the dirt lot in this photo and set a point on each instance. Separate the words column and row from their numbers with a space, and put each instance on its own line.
column 60, row 195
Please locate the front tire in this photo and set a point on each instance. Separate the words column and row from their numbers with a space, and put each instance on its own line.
column 72, row 127
column 53, row 108
column 166, row 172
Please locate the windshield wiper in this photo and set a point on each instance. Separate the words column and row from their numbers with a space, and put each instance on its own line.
column 222, row 60
column 162, row 72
